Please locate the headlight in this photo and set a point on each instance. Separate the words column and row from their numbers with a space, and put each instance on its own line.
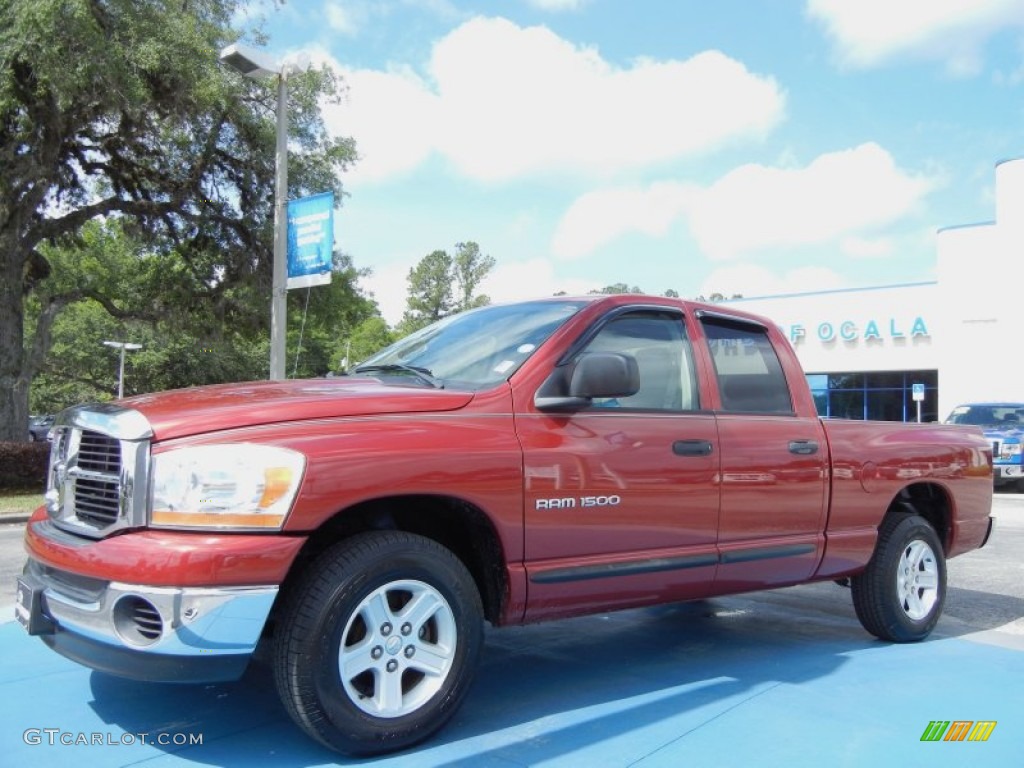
column 224, row 486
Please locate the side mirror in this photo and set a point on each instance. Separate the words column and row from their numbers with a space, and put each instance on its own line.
column 597, row 374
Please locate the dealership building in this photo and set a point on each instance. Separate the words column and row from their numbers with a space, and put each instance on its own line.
column 867, row 351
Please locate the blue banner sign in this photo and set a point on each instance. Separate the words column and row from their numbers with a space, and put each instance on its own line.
column 310, row 240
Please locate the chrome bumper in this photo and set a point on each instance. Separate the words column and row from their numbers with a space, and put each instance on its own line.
column 142, row 632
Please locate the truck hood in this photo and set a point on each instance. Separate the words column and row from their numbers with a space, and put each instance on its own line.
column 184, row 412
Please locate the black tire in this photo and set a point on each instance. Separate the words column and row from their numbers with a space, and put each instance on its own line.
column 350, row 606
column 899, row 596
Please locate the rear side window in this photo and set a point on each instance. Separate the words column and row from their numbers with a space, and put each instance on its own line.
column 749, row 373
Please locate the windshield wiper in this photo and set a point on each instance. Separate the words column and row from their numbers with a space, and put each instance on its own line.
column 423, row 374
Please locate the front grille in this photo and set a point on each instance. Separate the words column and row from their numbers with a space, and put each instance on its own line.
column 98, row 466
column 99, row 453
column 96, row 501
column 97, row 479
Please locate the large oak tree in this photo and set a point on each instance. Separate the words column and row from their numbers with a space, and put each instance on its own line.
column 119, row 109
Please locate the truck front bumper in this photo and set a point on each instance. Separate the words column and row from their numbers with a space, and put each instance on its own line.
column 145, row 633
column 74, row 595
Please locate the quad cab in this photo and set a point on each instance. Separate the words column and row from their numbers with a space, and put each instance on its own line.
column 512, row 464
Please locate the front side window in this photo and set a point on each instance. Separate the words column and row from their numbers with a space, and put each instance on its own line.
column 657, row 340
column 749, row 373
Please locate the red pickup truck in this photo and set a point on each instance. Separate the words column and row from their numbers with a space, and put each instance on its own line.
column 511, row 464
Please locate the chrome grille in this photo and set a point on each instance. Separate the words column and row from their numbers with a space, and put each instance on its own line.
column 98, row 467
column 96, row 501
column 99, row 453
column 97, row 494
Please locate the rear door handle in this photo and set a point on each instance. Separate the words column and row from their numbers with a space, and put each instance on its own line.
column 692, row 448
column 803, row 447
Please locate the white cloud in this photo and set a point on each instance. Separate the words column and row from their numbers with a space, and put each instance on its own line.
column 340, row 18
column 557, row 5
column 841, row 198
column 752, row 280
column 598, row 217
column 512, row 281
column 389, row 286
column 393, row 117
column 841, row 194
column 868, row 32
column 503, row 102
column 867, row 247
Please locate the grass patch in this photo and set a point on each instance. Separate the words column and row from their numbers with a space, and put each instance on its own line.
column 19, row 502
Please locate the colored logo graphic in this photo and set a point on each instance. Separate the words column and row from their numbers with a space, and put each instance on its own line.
column 958, row 730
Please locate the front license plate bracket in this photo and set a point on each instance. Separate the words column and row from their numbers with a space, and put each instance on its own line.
column 29, row 608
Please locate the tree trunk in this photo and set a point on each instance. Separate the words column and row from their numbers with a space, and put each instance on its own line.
column 13, row 383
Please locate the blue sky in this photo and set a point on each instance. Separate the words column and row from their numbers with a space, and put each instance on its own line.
column 740, row 146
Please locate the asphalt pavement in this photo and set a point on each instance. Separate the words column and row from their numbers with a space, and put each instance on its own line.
column 777, row 678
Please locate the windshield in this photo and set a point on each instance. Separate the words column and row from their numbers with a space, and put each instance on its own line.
column 1001, row 415
column 473, row 350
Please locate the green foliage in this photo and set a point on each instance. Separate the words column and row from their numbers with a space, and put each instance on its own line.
column 119, row 111
column 333, row 313
column 189, row 335
column 469, row 268
column 369, row 337
column 23, row 465
column 441, row 285
column 430, row 292
column 716, row 297
column 617, row 288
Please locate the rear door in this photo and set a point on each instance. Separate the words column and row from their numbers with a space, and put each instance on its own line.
column 774, row 463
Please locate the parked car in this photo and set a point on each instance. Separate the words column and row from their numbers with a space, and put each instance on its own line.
column 39, row 427
column 512, row 464
column 1003, row 424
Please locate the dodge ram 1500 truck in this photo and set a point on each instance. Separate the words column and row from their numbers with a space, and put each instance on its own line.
column 512, row 464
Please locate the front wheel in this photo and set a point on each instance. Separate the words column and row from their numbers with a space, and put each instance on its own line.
column 378, row 643
column 899, row 596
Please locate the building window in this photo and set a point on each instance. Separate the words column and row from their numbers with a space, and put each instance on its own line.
column 881, row 395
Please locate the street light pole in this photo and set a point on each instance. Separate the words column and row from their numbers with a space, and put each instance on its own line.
column 122, row 345
column 279, row 288
column 256, row 64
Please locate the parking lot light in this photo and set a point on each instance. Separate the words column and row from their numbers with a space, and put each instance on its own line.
column 122, row 345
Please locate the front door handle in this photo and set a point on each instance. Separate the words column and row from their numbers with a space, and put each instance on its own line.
column 692, row 447
column 803, row 447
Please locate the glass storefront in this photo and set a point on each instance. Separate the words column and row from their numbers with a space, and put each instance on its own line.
column 882, row 395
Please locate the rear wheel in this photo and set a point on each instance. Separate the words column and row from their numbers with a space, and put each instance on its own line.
column 378, row 642
column 899, row 596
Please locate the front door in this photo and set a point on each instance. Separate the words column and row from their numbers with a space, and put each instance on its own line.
column 622, row 496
